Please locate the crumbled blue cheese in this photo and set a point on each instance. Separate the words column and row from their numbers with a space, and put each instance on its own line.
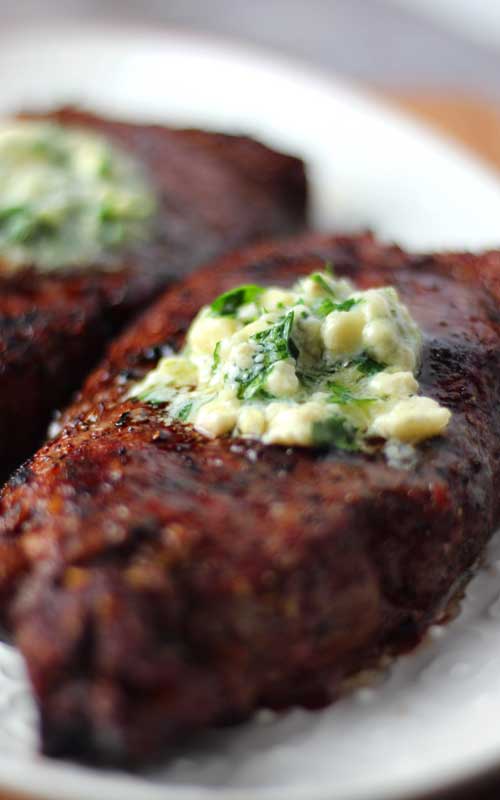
column 319, row 364
column 68, row 197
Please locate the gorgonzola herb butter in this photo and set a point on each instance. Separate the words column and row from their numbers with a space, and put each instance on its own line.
column 67, row 197
column 320, row 364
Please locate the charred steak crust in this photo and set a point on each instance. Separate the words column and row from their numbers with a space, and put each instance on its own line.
column 216, row 192
column 158, row 582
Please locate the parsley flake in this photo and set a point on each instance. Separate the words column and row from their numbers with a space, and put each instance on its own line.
column 326, row 306
column 334, row 432
column 366, row 365
column 227, row 304
column 342, row 395
column 184, row 412
column 318, row 278
column 273, row 344
column 216, row 357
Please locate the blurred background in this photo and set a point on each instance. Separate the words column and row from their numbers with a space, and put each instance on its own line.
column 439, row 59
column 400, row 44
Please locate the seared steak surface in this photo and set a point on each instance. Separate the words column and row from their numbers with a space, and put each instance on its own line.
column 158, row 582
column 215, row 192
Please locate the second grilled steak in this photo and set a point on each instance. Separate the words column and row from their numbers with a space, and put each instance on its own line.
column 158, row 582
column 214, row 192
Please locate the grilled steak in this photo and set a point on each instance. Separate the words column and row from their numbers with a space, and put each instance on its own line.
column 215, row 192
column 157, row 581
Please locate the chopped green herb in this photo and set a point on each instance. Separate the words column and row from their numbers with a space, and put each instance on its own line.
column 24, row 227
column 312, row 375
column 328, row 268
column 105, row 168
column 50, row 151
column 366, row 365
column 346, row 305
column 11, row 211
column 326, row 306
column 318, row 278
column 216, row 357
column 342, row 395
column 108, row 212
column 254, row 388
column 276, row 342
column 16, row 223
column 334, row 432
column 251, row 382
column 273, row 344
column 184, row 412
column 227, row 304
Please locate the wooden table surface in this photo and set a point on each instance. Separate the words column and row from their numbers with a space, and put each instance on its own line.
column 477, row 125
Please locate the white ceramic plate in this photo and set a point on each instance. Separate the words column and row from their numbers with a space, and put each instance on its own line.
column 433, row 718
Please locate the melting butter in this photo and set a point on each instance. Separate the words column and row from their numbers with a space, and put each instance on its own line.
column 68, row 197
column 320, row 364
